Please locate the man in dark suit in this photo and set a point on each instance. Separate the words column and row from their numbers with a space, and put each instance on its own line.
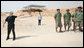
column 11, row 26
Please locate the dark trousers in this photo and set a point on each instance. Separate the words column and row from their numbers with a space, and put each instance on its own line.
column 39, row 22
column 11, row 27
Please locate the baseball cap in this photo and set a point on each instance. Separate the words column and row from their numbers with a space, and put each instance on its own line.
column 10, row 12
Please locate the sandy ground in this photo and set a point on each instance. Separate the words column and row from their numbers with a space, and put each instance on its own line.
column 29, row 34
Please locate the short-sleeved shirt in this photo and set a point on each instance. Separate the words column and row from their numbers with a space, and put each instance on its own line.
column 39, row 17
column 10, row 20
column 58, row 17
column 73, row 16
column 67, row 17
column 79, row 15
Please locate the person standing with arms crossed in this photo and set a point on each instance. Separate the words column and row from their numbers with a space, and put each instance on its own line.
column 57, row 18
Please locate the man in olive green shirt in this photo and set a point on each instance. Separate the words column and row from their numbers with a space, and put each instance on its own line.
column 73, row 19
column 67, row 19
column 58, row 20
column 79, row 18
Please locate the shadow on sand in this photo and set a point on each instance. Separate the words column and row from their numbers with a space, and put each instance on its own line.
column 22, row 37
column 61, row 32
column 43, row 24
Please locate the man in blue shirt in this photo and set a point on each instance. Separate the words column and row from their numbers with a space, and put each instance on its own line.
column 39, row 19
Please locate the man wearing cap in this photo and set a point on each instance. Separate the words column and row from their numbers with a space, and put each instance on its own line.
column 57, row 18
column 67, row 19
column 79, row 18
column 11, row 26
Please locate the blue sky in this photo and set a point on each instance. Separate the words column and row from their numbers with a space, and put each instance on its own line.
column 7, row 6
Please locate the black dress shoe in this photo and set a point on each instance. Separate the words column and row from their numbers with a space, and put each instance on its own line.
column 81, row 30
column 13, row 38
column 7, row 38
column 60, row 31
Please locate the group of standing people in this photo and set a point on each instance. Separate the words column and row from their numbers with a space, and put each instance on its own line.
column 77, row 17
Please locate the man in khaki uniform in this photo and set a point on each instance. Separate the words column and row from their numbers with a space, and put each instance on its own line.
column 73, row 19
column 67, row 19
column 58, row 22
column 79, row 18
